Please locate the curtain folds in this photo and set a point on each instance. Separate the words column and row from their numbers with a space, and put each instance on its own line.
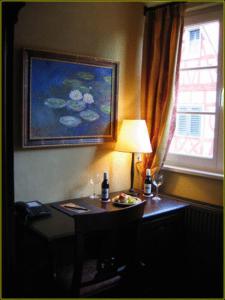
column 164, row 26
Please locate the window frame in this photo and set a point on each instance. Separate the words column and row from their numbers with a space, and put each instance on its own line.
column 196, row 165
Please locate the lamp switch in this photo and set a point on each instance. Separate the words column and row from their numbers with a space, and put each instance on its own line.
column 139, row 157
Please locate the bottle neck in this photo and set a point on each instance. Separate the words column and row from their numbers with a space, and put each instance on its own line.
column 148, row 173
column 105, row 176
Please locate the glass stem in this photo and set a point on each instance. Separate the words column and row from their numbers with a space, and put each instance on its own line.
column 157, row 191
column 94, row 190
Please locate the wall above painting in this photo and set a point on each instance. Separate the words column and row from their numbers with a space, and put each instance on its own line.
column 68, row 100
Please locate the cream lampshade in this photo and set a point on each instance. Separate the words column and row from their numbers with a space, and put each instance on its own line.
column 134, row 138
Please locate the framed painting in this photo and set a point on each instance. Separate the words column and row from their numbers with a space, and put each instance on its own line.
column 68, row 100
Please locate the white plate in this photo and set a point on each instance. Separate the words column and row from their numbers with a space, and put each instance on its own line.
column 115, row 201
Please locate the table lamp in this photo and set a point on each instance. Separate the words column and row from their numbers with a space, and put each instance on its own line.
column 133, row 137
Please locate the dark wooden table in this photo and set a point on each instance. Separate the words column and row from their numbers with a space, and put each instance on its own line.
column 51, row 239
column 60, row 225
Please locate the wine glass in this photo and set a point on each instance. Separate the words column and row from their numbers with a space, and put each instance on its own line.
column 157, row 181
column 94, row 181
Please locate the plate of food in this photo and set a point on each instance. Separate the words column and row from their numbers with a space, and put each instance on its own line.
column 125, row 200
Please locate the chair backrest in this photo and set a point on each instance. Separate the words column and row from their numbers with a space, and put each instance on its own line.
column 109, row 221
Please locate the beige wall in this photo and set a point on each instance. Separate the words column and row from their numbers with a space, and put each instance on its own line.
column 105, row 30
column 193, row 187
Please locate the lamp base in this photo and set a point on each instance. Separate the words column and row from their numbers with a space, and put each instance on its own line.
column 131, row 190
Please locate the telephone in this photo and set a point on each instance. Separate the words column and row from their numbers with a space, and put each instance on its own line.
column 31, row 209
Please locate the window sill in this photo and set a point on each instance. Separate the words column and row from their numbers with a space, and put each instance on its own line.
column 193, row 172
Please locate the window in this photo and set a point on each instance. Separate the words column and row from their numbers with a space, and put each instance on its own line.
column 199, row 129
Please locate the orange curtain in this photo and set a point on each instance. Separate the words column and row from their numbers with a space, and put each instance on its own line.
column 164, row 26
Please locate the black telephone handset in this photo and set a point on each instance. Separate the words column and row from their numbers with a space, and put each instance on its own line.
column 31, row 209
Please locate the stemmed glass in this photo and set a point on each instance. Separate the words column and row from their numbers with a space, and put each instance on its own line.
column 157, row 181
column 94, row 181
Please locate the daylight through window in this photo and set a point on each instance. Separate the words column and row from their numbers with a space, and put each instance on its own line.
column 198, row 102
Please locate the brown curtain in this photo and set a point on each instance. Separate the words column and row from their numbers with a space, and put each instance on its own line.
column 164, row 26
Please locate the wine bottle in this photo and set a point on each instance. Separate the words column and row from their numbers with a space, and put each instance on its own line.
column 105, row 187
column 148, row 183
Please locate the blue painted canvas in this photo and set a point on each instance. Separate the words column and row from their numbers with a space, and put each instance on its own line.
column 69, row 99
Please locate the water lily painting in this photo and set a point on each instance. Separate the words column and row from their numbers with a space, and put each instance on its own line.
column 68, row 100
